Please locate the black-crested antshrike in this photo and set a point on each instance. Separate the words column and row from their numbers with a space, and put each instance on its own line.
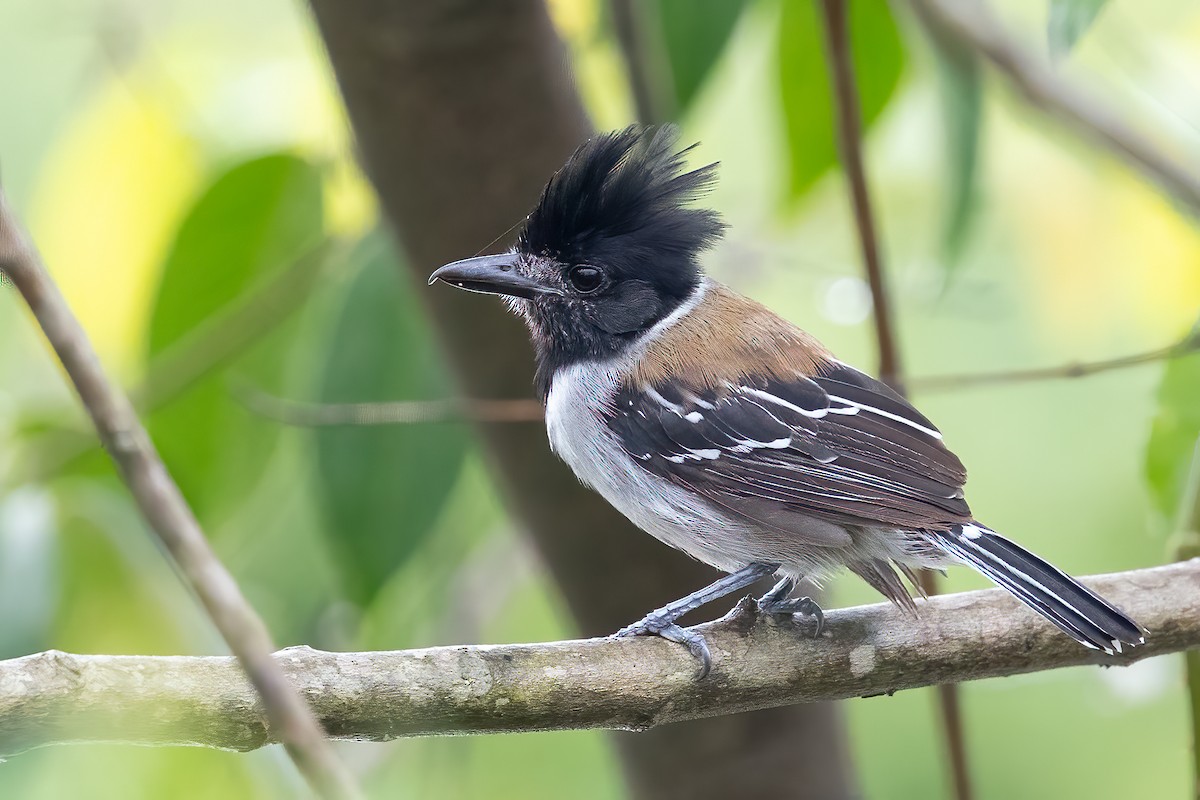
column 721, row 428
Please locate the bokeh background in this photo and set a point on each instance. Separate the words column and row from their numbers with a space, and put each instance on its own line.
column 188, row 173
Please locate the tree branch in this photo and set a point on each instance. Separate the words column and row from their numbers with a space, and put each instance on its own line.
column 627, row 684
column 168, row 515
column 972, row 24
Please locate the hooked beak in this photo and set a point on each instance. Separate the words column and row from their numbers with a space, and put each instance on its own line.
column 491, row 275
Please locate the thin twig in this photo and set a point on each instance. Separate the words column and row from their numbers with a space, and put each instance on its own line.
column 458, row 409
column 1074, row 369
column 624, row 684
column 849, row 137
column 168, row 515
column 972, row 24
column 400, row 412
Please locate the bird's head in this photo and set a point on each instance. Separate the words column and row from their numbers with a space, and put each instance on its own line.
column 611, row 248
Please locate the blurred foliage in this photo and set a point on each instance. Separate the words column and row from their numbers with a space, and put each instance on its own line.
column 122, row 170
column 804, row 88
column 255, row 219
column 960, row 85
column 1174, row 434
column 694, row 34
column 172, row 161
column 382, row 487
column 30, row 569
column 1067, row 21
column 1173, row 469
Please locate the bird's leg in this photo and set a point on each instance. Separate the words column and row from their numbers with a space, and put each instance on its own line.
column 778, row 592
column 661, row 621
column 777, row 602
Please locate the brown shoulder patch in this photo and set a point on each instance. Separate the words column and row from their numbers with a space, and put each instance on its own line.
column 726, row 338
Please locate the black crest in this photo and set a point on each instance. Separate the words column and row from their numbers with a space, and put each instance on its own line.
column 620, row 200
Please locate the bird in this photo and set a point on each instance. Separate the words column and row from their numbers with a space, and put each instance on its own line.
column 724, row 430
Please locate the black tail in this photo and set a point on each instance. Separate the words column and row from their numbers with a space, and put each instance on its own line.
column 1081, row 613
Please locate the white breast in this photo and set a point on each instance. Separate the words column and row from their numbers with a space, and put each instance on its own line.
column 575, row 409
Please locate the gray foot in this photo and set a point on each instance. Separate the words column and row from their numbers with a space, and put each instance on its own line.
column 804, row 606
column 654, row 625
column 778, row 592
column 661, row 622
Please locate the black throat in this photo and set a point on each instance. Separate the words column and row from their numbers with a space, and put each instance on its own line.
column 619, row 211
column 564, row 335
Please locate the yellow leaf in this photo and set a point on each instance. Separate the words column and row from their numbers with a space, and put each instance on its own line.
column 105, row 208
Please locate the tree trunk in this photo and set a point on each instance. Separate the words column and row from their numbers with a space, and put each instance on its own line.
column 462, row 109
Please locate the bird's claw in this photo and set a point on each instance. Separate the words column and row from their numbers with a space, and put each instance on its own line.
column 649, row 625
column 654, row 625
column 695, row 644
column 802, row 606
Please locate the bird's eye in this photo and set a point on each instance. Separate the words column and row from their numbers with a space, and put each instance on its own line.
column 585, row 279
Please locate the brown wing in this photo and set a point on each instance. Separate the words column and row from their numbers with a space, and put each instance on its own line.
column 839, row 446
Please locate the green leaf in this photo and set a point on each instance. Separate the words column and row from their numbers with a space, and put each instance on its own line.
column 1174, row 433
column 382, row 487
column 804, row 82
column 1068, row 21
column 961, row 88
column 694, row 34
column 254, row 219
